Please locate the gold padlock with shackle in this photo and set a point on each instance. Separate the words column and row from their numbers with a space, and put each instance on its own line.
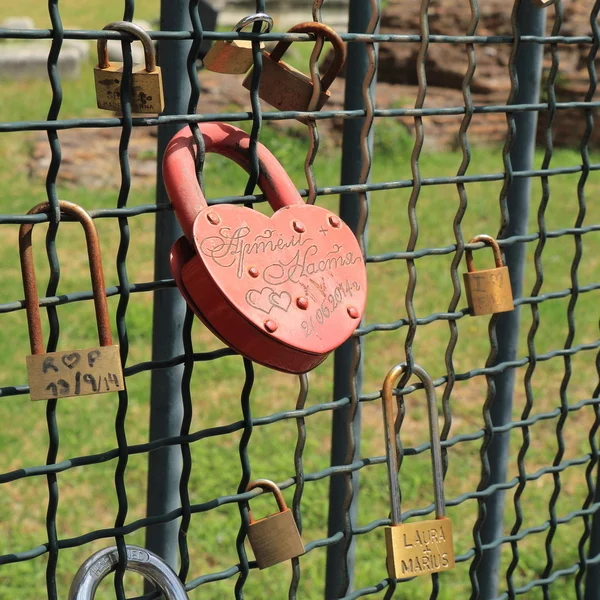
column 275, row 538
column 421, row 547
column 286, row 88
column 235, row 57
column 146, row 80
column 489, row 291
column 69, row 373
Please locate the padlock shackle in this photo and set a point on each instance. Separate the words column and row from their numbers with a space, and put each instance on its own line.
column 319, row 29
column 490, row 241
column 179, row 171
column 32, row 307
column 251, row 19
column 137, row 32
column 91, row 573
column 268, row 486
column 391, row 445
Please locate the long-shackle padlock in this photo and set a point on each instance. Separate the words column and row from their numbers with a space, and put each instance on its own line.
column 70, row 372
column 422, row 547
column 284, row 290
column 286, row 88
column 146, row 563
column 489, row 291
column 235, row 56
column 146, row 80
column 275, row 538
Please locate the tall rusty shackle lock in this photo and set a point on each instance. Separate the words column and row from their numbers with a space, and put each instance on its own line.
column 146, row 80
column 421, row 547
column 146, row 563
column 286, row 88
column 235, row 57
column 283, row 290
column 489, row 291
column 69, row 373
column 275, row 538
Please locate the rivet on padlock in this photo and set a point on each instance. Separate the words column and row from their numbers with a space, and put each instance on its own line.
column 146, row 80
column 286, row 88
column 275, row 538
column 243, row 273
column 235, row 56
column 146, row 563
column 421, row 547
column 489, row 291
column 70, row 372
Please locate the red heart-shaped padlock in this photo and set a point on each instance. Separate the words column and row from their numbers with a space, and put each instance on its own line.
column 283, row 290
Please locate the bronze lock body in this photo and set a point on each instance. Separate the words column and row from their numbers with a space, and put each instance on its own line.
column 420, row 547
column 234, row 57
column 286, row 88
column 275, row 538
column 489, row 291
column 146, row 80
column 69, row 373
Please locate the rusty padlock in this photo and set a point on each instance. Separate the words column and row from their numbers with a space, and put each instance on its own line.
column 275, row 538
column 235, row 56
column 146, row 80
column 286, row 88
column 69, row 373
column 489, row 291
column 283, row 290
column 420, row 547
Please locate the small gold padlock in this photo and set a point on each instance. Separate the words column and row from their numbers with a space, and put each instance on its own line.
column 146, row 80
column 286, row 88
column 423, row 547
column 69, row 373
column 234, row 57
column 489, row 291
column 275, row 538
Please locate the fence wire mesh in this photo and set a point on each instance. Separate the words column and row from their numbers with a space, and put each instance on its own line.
column 575, row 417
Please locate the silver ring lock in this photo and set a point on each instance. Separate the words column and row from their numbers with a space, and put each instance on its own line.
column 250, row 19
column 146, row 563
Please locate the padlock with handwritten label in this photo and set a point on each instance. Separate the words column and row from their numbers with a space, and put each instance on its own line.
column 421, row 547
column 489, row 291
column 283, row 290
column 275, row 538
column 69, row 373
column 146, row 80
column 235, row 56
column 286, row 88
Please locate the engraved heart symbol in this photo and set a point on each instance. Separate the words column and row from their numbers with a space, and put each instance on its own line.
column 261, row 300
column 71, row 360
column 282, row 300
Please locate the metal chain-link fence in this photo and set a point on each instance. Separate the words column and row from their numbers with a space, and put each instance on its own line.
column 521, row 467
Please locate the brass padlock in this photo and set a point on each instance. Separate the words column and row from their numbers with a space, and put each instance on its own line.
column 275, row 538
column 235, row 56
column 286, row 88
column 69, row 373
column 489, row 291
column 146, row 80
column 421, row 547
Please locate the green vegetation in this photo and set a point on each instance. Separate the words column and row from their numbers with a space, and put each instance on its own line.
column 87, row 496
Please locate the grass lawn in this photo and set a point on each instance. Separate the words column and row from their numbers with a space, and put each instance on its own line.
column 87, row 496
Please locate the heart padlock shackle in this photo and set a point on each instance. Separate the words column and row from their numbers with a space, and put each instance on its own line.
column 283, row 290
column 286, row 88
column 488, row 291
column 146, row 563
column 146, row 80
column 235, row 56
column 419, row 547
column 69, row 373
column 274, row 539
